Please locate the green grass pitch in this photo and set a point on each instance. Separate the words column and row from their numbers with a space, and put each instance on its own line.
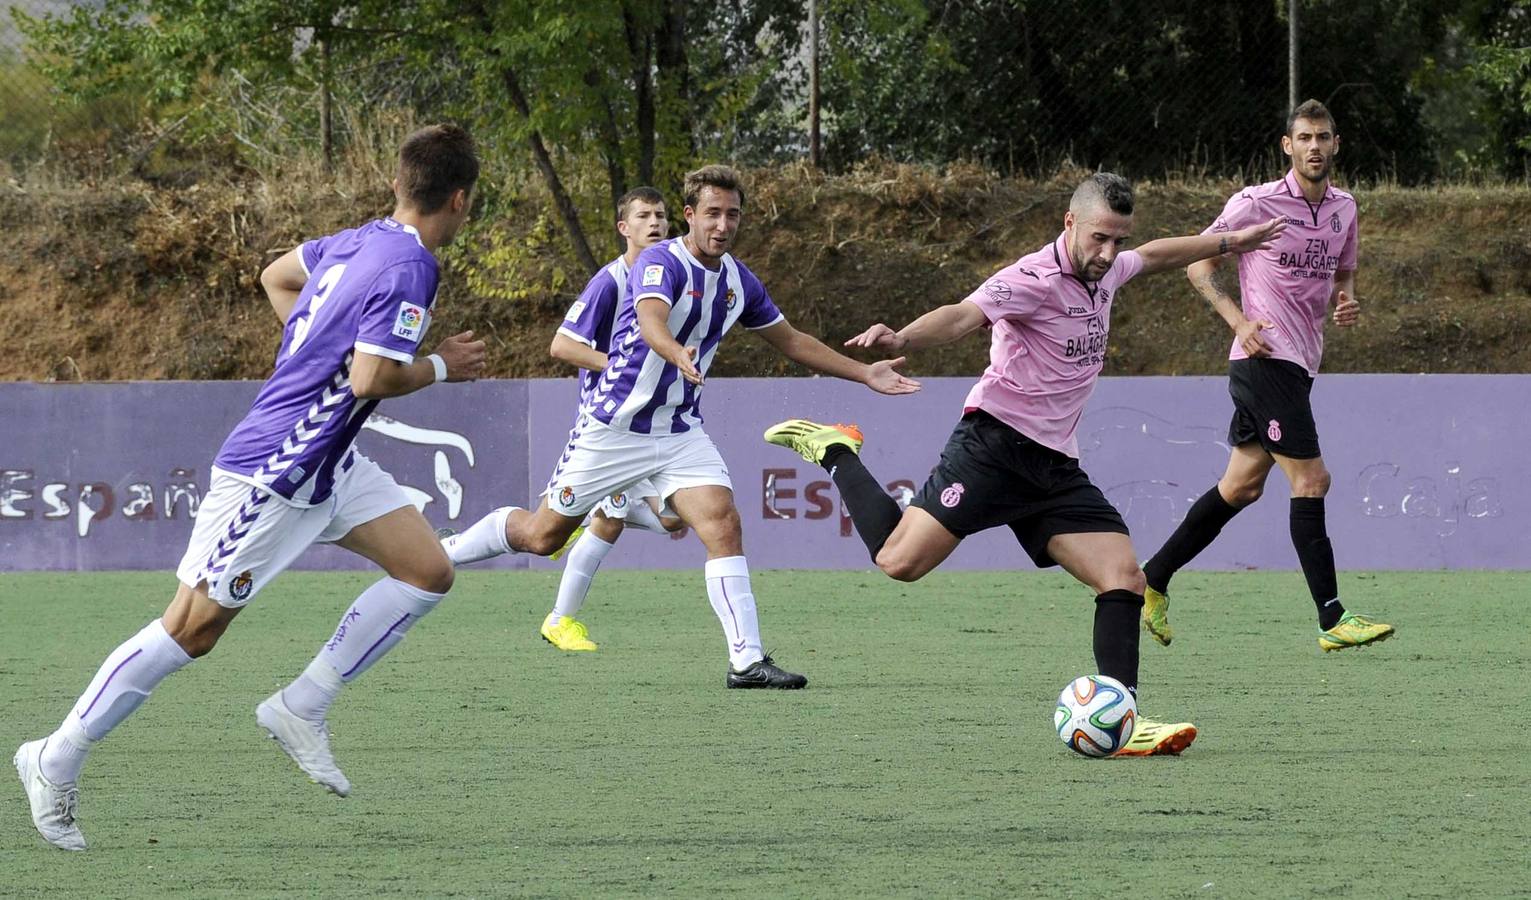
column 920, row 762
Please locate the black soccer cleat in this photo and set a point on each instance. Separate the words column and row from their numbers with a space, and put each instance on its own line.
column 445, row 532
column 766, row 674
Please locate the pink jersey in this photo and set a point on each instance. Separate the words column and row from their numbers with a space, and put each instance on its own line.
column 1048, row 342
column 1290, row 284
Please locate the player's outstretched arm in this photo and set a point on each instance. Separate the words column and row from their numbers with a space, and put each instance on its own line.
column 941, row 325
column 376, row 377
column 809, row 351
column 283, row 281
column 581, row 356
column 1179, row 252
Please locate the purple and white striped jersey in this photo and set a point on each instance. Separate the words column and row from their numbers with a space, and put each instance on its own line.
column 592, row 317
column 640, row 391
column 369, row 289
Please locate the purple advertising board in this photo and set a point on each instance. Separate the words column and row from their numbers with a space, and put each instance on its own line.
column 1426, row 468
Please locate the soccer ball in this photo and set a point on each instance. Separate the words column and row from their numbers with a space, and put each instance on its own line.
column 1095, row 715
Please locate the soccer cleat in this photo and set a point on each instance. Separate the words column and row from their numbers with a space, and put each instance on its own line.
column 53, row 805
column 1353, row 631
column 813, row 440
column 766, row 674
column 1152, row 738
column 1156, row 616
column 308, row 743
column 574, row 536
column 445, row 532
column 566, row 633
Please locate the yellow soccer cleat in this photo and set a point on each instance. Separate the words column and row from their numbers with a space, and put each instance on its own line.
column 1353, row 631
column 1152, row 738
column 566, row 633
column 567, row 544
column 813, row 440
column 1156, row 616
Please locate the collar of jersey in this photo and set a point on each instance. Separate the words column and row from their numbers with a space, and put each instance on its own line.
column 1296, row 192
column 410, row 230
column 680, row 243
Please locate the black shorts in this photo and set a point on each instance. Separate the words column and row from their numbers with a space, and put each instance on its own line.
column 992, row 475
column 1271, row 405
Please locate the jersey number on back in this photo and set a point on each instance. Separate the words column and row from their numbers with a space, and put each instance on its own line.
column 322, row 291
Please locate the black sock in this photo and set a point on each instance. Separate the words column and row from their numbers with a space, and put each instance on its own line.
column 1116, row 636
column 1201, row 527
column 873, row 512
column 1316, row 555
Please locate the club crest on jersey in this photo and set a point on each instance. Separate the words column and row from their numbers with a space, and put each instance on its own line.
column 410, row 321
column 652, row 275
column 242, row 584
column 1334, row 223
column 729, row 299
column 566, row 497
column 952, row 495
column 573, row 314
column 1273, row 430
column 618, row 501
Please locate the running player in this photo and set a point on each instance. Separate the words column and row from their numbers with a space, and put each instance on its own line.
column 1278, row 339
column 1013, row 458
column 584, row 340
column 356, row 305
column 643, row 419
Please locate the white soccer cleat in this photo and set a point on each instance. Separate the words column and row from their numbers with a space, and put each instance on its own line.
column 306, row 742
column 53, row 805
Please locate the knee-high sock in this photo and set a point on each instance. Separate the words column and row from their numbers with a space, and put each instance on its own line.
column 728, row 587
column 1116, row 636
column 639, row 515
column 1310, row 537
column 1201, row 526
column 484, row 539
column 873, row 512
column 579, row 570
column 375, row 623
column 121, row 685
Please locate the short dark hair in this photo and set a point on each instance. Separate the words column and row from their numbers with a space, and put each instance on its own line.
column 1107, row 188
column 1312, row 110
column 434, row 163
column 646, row 194
column 723, row 178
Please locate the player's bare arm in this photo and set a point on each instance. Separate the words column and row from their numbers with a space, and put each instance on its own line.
column 654, row 327
column 941, row 325
column 582, row 356
column 1347, row 309
column 283, row 281
column 1204, row 277
column 378, row 377
column 807, row 350
column 1179, row 252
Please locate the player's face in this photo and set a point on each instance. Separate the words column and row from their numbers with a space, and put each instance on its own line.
column 714, row 221
column 646, row 224
column 1312, row 146
column 1094, row 238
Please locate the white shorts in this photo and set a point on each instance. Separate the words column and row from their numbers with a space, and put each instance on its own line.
column 601, row 462
column 617, row 505
column 245, row 536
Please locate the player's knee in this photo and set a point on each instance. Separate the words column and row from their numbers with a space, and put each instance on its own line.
column 1241, row 494
column 1123, row 577
column 672, row 524
column 197, row 639
column 435, row 576
column 1312, row 484
column 900, row 566
column 544, row 544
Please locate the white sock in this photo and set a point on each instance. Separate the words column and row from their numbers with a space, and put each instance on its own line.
column 121, row 685
column 728, row 587
column 375, row 623
column 484, row 539
column 583, row 562
column 640, row 515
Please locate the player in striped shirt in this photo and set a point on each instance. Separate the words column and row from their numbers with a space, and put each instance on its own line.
column 584, row 340
column 356, row 306
column 643, row 419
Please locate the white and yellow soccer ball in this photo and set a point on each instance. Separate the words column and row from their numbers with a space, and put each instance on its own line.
column 1095, row 715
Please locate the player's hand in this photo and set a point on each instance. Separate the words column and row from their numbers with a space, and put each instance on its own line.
column 1347, row 311
column 687, row 366
column 465, row 357
column 1248, row 336
column 1256, row 237
column 882, row 378
column 878, row 337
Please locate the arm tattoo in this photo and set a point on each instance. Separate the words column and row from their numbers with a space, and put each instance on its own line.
column 1222, row 246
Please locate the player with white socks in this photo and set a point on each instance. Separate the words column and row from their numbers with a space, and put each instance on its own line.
column 642, row 420
column 356, row 305
column 583, row 339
